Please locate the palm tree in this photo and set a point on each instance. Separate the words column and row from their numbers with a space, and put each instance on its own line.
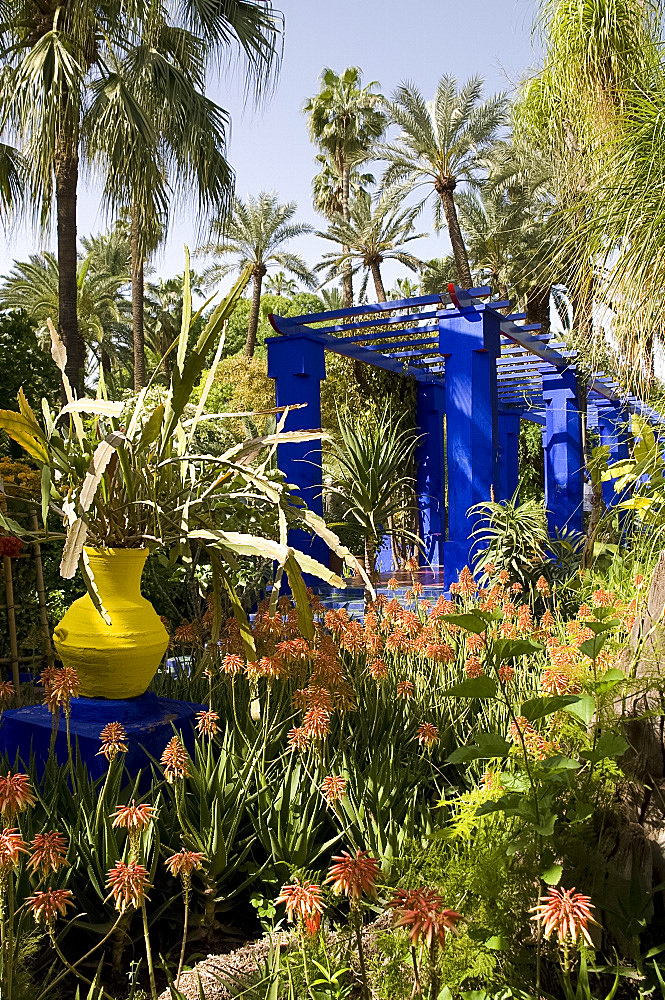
column 279, row 284
column 437, row 275
column 327, row 187
column 374, row 233
column 182, row 150
column 345, row 120
column 60, row 63
column 441, row 144
column 254, row 234
column 404, row 288
column 332, row 298
column 103, row 310
column 583, row 111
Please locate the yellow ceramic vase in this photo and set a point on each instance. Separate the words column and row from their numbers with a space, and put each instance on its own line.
column 117, row 660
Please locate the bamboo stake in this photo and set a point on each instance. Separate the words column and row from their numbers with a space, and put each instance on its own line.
column 11, row 620
column 41, row 592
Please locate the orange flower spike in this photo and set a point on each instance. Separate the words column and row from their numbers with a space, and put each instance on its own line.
column 405, row 690
column 175, row 760
column 333, row 788
column 316, row 723
column 568, row 913
column 206, row 723
column 542, row 586
column 302, row 902
column 137, row 817
column 182, row 865
column 428, row 734
column 298, row 739
column 113, row 737
column 6, row 691
column 422, row 913
column 65, row 686
column 16, row 795
column 48, row 852
column 354, row 875
column 378, row 670
column 128, row 884
column 473, row 667
column 12, row 846
column 232, row 664
column 475, row 642
column 45, row 906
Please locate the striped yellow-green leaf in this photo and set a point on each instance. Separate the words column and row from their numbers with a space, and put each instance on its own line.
column 26, row 433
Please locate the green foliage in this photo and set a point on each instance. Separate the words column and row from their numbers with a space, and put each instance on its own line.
column 532, row 472
column 24, row 362
column 295, row 305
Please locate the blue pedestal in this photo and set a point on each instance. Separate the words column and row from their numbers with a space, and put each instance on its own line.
column 148, row 722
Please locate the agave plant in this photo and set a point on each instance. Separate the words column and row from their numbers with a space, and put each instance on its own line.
column 122, row 474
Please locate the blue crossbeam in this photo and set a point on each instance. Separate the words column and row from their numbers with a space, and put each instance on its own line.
column 383, row 334
column 381, row 321
column 421, row 300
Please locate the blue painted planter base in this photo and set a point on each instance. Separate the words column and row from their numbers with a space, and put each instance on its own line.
column 148, row 722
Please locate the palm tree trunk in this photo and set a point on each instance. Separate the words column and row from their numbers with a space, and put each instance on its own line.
column 66, row 181
column 347, row 277
column 253, row 327
column 378, row 281
column 455, row 233
column 137, row 275
column 538, row 306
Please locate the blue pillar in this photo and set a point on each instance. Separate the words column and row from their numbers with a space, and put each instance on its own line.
column 297, row 364
column 384, row 557
column 614, row 429
column 509, row 466
column 470, row 341
column 564, row 460
column 430, row 409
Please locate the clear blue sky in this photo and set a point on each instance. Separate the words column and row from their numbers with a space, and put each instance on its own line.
column 391, row 41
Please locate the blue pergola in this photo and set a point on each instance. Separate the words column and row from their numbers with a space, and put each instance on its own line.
column 478, row 372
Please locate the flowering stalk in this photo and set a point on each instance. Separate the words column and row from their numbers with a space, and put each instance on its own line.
column 148, row 952
column 183, row 864
column 356, row 876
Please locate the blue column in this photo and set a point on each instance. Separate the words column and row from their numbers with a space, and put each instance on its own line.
column 470, row 340
column 509, row 467
column 614, row 429
column 297, row 364
column 564, row 461
column 430, row 409
column 384, row 557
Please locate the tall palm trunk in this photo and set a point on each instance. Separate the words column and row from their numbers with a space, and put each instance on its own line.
column 378, row 281
column 138, row 330
column 445, row 192
column 538, row 306
column 347, row 278
column 253, row 327
column 66, row 181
